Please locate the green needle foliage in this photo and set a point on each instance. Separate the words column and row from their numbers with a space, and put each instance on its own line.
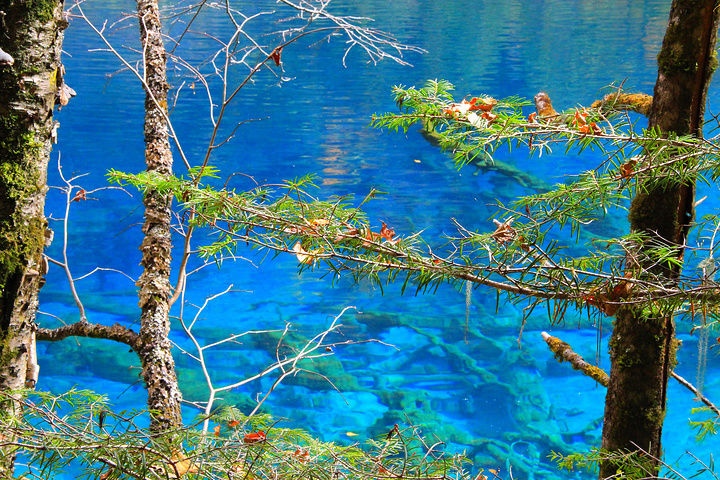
column 528, row 252
column 80, row 427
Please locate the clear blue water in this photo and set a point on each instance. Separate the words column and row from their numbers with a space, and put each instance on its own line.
column 500, row 404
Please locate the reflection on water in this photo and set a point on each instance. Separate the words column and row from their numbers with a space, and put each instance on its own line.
column 500, row 404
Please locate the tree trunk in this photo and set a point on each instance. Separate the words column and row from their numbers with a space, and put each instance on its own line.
column 30, row 78
column 158, row 364
column 642, row 347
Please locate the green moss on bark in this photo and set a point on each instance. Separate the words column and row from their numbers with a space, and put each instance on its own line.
column 36, row 10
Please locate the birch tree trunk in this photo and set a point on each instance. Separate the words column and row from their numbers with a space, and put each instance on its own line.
column 158, row 364
column 642, row 347
column 30, row 78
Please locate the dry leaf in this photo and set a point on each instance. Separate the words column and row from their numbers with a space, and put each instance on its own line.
column 80, row 195
column 255, row 437
column 180, row 463
column 627, row 169
column 387, row 233
column 275, row 55
column 302, row 255
column 504, row 233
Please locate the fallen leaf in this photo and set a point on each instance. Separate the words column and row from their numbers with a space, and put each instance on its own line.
column 579, row 119
column 80, row 195
column 302, row 255
column 490, row 117
column 275, row 55
column 627, row 169
column 255, row 437
column 387, row 233
column 482, row 103
column 504, row 232
column 181, row 463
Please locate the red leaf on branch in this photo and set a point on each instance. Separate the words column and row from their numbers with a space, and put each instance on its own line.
column 80, row 195
column 255, row 437
column 482, row 103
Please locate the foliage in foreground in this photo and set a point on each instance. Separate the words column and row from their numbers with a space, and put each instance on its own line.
column 79, row 427
column 528, row 253
column 78, row 430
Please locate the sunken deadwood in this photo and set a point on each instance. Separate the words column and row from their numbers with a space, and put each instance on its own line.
column 157, row 362
column 642, row 346
column 29, row 84
column 564, row 353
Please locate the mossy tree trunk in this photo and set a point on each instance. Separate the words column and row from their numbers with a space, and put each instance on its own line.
column 158, row 364
column 642, row 347
column 32, row 37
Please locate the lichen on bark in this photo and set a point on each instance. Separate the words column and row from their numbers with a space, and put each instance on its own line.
column 32, row 36
column 164, row 395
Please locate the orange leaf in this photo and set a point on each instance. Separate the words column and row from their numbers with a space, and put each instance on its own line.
column 627, row 169
column 302, row 255
column 531, row 117
column 370, row 236
column 275, row 55
column 234, row 423
column 180, row 463
column 579, row 119
column 482, row 103
column 80, row 195
column 255, row 437
column 387, row 233
column 489, row 116
column 217, row 430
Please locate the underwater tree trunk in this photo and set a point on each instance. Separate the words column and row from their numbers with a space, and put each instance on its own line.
column 157, row 362
column 642, row 346
column 30, row 78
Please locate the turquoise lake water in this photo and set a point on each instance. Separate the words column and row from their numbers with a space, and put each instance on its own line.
column 500, row 404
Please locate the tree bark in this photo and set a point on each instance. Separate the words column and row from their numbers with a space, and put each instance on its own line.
column 30, row 79
column 642, row 346
column 158, row 364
